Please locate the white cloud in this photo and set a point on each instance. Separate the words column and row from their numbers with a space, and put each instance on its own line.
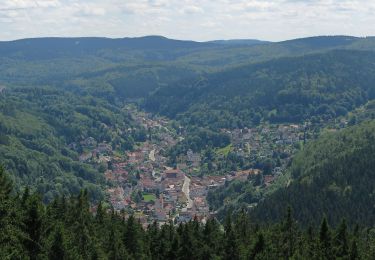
column 192, row 9
column 186, row 19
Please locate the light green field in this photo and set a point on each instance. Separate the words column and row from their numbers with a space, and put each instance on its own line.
column 149, row 197
column 225, row 150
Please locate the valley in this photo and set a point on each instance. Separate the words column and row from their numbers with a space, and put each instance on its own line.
column 154, row 187
column 147, row 148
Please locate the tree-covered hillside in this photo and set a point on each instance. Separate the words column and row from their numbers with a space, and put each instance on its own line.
column 38, row 124
column 146, row 63
column 333, row 176
column 312, row 87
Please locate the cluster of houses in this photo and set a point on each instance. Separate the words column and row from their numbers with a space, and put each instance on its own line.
column 141, row 183
column 92, row 151
column 264, row 141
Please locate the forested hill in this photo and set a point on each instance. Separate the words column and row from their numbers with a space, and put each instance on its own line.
column 54, row 47
column 37, row 125
column 47, row 48
column 146, row 64
column 333, row 176
column 310, row 87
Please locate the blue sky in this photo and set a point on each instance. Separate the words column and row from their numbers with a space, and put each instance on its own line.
column 186, row 19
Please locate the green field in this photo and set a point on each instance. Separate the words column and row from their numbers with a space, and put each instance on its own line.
column 225, row 150
column 149, row 197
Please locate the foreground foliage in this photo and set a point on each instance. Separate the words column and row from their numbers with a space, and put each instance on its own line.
column 66, row 229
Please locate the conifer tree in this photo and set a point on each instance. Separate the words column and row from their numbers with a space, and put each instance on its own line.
column 258, row 247
column 11, row 234
column 354, row 251
column 33, row 221
column 288, row 231
column 57, row 249
column 230, row 242
column 133, row 238
column 341, row 240
column 325, row 245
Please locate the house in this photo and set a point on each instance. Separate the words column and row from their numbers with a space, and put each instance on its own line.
column 268, row 179
column 193, row 158
column 85, row 157
column 149, row 185
column 173, row 174
column 104, row 159
column 89, row 142
column 184, row 217
column 160, row 215
column 243, row 175
column 135, row 157
column 104, row 148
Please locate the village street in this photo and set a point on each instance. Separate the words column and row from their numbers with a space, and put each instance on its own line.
column 186, row 191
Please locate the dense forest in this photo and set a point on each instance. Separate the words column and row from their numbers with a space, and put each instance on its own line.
column 313, row 87
column 38, row 124
column 333, row 176
column 67, row 229
column 134, row 68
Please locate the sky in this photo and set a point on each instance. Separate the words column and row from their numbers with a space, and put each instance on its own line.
column 203, row 20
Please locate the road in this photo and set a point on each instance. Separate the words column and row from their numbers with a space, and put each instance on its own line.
column 186, row 191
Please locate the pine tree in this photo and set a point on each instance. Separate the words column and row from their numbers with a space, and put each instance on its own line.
column 354, row 251
column 116, row 249
column 325, row 240
column 80, row 221
column 100, row 214
column 230, row 241
column 57, row 250
column 341, row 240
column 133, row 238
column 212, row 236
column 25, row 196
column 288, row 231
column 258, row 247
column 153, row 240
column 33, row 225
column 11, row 234
column 310, row 251
column 186, row 247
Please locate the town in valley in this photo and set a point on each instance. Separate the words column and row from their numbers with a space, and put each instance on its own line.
column 142, row 182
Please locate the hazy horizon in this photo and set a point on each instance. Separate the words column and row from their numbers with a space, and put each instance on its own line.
column 212, row 40
column 268, row 20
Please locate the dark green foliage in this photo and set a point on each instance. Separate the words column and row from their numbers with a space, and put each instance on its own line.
column 12, row 236
column 39, row 128
column 333, row 176
column 67, row 229
column 341, row 240
column 325, row 240
column 258, row 247
column 57, row 249
column 313, row 87
column 198, row 139
column 33, row 218
column 236, row 193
